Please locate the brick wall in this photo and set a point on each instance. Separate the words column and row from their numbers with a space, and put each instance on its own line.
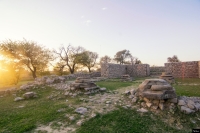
column 184, row 69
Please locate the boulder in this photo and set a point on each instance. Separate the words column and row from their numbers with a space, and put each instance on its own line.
column 29, row 95
column 81, row 110
column 102, row 89
column 18, row 99
column 186, row 110
column 181, row 102
column 142, row 110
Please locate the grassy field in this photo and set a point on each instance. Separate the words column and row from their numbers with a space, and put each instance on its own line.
column 22, row 116
column 25, row 116
column 187, row 86
column 130, row 121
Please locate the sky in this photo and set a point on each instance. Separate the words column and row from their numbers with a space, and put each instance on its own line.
column 152, row 30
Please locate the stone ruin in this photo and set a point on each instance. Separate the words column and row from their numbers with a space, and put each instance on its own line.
column 168, row 77
column 84, row 85
column 159, row 94
column 154, row 94
column 126, row 77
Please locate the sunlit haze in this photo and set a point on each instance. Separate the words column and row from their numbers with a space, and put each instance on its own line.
column 151, row 29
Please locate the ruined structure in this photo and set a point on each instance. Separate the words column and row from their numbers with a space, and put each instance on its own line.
column 117, row 70
column 168, row 77
column 190, row 69
column 156, row 93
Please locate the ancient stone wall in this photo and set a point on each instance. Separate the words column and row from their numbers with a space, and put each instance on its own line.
column 138, row 70
column 183, row 69
column 112, row 70
column 83, row 75
column 116, row 70
column 155, row 71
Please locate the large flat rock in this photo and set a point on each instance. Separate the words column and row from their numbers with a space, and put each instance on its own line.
column 167, row 94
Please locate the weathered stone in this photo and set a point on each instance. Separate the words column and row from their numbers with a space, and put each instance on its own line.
column 173, row 100
column 108, row 102
column 132, row 91
column 91, row 88
column 146, row 100
column 72, row 118
column 197, row 106
column 168, row 77
column 142, row 110
column 190, row 104
column 149, row 104
column 28, row 95
column 161, row 87
column 127, row 92
column 143, row 104
column 81, row 110
column 161, row 106
column 181, row 102
column 49, row 81
column 134, row 100
column 166, row 94
column 155, row 107
column 131, row 96
column 18, row 99
column 186, row 110
column 102, row 89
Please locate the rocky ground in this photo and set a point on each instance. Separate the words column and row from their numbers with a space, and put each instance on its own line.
column 88, row 107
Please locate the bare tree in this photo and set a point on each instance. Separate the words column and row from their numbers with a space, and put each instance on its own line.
column 173, row 59
column 70, row 55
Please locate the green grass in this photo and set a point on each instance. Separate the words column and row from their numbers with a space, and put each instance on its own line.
column 36, row 111
column 126, row 121
column 187, row 90
column 188, row 80
column 113, row 85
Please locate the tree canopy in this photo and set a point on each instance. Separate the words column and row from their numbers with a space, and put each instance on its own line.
column 105, row 59
column 173, row 59
column 28, row 54
column 121, row 56
column 88, row 59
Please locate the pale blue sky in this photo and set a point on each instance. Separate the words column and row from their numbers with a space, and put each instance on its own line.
column 151, row 29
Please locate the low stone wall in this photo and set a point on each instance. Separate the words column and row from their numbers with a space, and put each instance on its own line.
column 157, row 71
column 184, row 69
column 83, row 75
column 116, row 70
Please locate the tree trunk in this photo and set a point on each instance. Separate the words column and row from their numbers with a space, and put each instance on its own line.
column 34, row 73
column 89, row 69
